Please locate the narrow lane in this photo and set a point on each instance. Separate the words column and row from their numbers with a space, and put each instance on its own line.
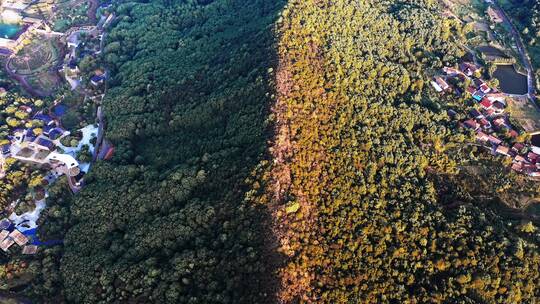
column 525, row 59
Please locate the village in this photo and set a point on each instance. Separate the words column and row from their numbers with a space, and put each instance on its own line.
column 488, row 114
column 42, row 137
column 489, row 120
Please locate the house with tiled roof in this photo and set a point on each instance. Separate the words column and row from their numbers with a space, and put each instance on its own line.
column 519, row 159
column 532, row 157
column 481, row 136
column 518, row 147
column 471, row 124
column 485, row 88
column 474, row 113
column 6, row 243
column 442, row 83
column 486, row 103
column 503, row 150
column 494, row 140
column 29, row 249
column 18, row 237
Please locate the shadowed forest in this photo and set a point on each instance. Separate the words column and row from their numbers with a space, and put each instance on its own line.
column 166, row 221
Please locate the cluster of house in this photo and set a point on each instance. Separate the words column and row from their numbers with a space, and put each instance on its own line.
column 39, row 148
column 71, row 70
column 466, row 70
column 9, row 236
column 488, row 119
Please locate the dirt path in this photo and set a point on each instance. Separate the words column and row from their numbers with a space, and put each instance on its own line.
column 92, row 10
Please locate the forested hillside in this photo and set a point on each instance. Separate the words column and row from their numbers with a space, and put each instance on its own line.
column 355, row 156
column 526, row 16
column 281, row 152
column 165, row 222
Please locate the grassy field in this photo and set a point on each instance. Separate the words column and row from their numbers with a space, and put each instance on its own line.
column 523, row 112
column 38, row 56
column 45, row 81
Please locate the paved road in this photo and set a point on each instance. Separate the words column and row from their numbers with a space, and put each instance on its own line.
column 522, row 52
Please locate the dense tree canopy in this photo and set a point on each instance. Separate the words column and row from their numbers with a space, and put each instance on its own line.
column 356, row 151
column 165, row 222
column 269, row 152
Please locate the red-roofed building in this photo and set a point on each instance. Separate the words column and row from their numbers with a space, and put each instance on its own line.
column 503, row 150
column 532, row 157
column 494, row 140
column 18, row 237
column 500, row 122
column 518, row 147
column 471, row 124
column 513, row 133
column 520, row 159
column 442, row 83
column 490, row 112
column 485, row 123
column 484, row 88
column 486, row 103
column 481, row 136
column 468, row 68
column 528, row 168
column 517, row 167
column 471, row 90
column 450, row 71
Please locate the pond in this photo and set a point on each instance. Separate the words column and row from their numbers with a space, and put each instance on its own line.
column 510, row 80
column 492, row 51
column 535, row 140
column 9, row 31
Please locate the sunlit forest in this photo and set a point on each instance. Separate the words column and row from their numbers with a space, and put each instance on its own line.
column 283, row 152
column 357, row 146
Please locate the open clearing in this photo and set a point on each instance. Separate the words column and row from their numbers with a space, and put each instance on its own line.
column 524, row 113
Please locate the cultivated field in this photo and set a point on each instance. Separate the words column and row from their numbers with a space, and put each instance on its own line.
column 38, row 56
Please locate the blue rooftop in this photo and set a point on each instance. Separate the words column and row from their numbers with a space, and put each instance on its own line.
column 55, row 133
column 46, row 143
column 6, row 149
column 97, row 78
column 5, row 224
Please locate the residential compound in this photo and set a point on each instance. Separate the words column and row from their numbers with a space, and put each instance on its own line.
column 488, row 118
column 41, row 149
column 9, row 236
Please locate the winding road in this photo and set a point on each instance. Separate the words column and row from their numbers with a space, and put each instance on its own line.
column 525, row 59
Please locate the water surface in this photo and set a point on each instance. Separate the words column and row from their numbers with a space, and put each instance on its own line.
column 9, row 31
column 511, row 82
